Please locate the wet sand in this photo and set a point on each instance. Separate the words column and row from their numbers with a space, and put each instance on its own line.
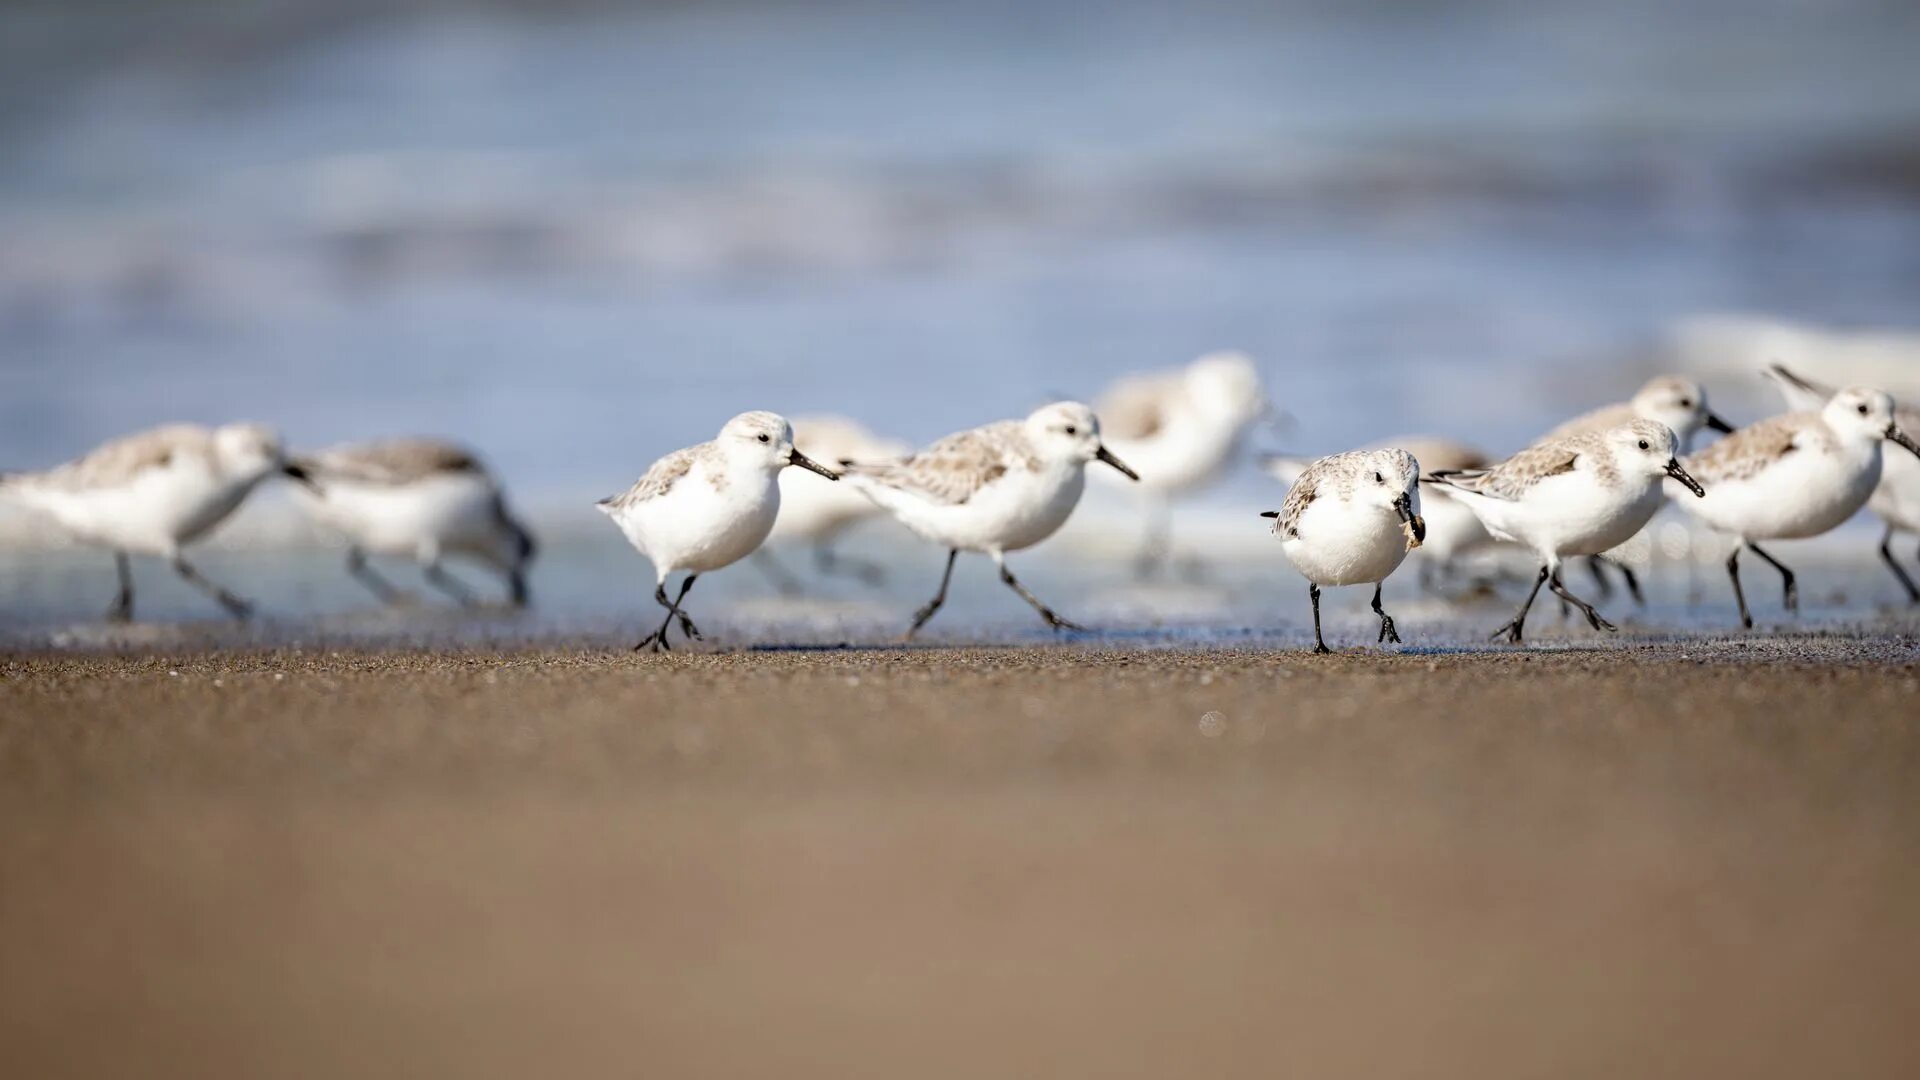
column 1692, row 858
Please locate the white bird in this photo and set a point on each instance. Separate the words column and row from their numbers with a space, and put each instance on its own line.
column 1896, row 499
column 1452, row 530
column 1181, row 429
column 1350, row 519
column 1794, row 476
column 818, row 516
column 421, row 499
column 152, row 493
column 993, row 489
column 1674, row 400
column 1580, row 495
column 707, row 506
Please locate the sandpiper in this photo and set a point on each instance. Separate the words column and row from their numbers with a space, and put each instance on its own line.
column 707, row 506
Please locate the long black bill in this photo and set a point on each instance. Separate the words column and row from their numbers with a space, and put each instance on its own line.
column 795, row 457
column 1106, row 455
column 1895, row 435
column 1674, row 470
column 1717, row 424
column 299, row 474
column 1404, row 507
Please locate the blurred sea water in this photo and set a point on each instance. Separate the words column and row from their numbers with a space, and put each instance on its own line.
column 580, row 237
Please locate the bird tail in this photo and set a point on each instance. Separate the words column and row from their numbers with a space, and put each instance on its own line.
column 1800, row 393
column 1458, row 479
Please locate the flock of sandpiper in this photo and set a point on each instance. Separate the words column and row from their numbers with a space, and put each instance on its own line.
column 1581, row 490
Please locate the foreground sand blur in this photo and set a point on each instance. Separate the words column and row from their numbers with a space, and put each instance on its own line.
column 1691, row 859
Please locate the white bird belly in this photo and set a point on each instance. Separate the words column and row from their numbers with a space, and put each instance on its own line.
column 157, row 512
column 1343, row 543
column 694, row 527
column 417, row 520
column 1802, row 495
column 1572, row 514
column 1017, row 511
column 1178, row 458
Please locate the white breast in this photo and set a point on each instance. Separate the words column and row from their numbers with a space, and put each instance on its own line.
column 1017, row 510
column 699, row 526
column 449, row 512
column 1805, row 493
column 1346, row 543
column 1186, row 453
column 1573, row 513
column 154, row 514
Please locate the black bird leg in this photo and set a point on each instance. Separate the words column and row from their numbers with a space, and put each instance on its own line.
column 1512, row 631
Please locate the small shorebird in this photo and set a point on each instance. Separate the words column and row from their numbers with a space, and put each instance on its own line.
column 154, row 492
column 707, row 506
column 1896, row 499
column 817, row 516
column 1350, row 519
column 1579, row 495
column 1181, row 429
column 1452, row 530
column 1674, row 400
column 421, row 499
column 993, row 489
column 1794, row 476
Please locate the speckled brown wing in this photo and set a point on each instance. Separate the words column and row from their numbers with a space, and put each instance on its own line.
column 1511, row 478
column 957, row 467
column 1299, row 497
column 392, row 461
column 660, row 478
column 1746, row 452
column 1601, row 419
column 122, row 460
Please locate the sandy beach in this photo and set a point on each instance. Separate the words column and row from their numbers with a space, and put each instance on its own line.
column 1663, row 858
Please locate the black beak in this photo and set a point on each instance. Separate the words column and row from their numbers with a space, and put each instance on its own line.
column 1715, row 423
column 1404, row 507
column 299, row 474
column 795, row 457
column 1674, row 470
column 1895, row 435
column 1106, row 455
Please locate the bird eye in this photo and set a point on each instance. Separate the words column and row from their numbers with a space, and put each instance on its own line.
column 1863, row 410
column 1644, row 446
column 1071, row 430
column 1686, row 403
column 1378, row 479
column 765, row 437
